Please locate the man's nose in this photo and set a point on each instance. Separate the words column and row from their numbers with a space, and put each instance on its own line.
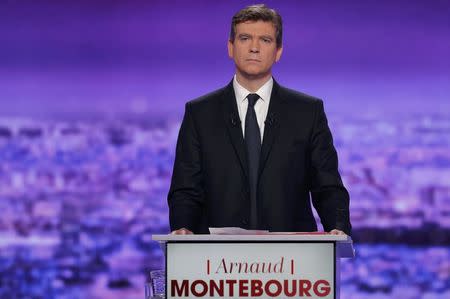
column 254, row 47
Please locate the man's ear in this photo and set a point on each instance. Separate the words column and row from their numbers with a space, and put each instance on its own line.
column 279, row 52
column 230, row 48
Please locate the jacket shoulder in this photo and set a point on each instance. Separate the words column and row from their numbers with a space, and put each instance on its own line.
column 212, row 97
column 292, row 95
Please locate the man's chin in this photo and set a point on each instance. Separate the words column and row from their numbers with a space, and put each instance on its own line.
column 254, row 74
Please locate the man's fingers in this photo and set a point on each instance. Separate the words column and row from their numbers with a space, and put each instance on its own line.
column 337, row 232
column 182, row 231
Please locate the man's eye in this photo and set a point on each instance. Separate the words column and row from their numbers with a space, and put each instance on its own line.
column 244, row 38
column 267, row 41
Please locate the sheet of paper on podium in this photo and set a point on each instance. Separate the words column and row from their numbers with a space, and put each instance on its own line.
column 235, row 231
column 241, row 231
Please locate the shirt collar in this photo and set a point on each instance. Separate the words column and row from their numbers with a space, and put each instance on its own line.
column 263, row 92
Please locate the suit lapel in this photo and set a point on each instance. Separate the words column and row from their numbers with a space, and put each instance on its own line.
column 233, row 124
column 271, row 126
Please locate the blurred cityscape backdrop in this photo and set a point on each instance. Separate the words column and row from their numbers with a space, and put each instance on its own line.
column 92, row 94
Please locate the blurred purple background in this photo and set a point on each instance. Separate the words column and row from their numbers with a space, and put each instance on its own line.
column 92, row 94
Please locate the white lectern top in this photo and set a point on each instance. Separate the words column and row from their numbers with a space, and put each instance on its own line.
column 344, row 243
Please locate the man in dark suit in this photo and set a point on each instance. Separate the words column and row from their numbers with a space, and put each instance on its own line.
column 250, row 154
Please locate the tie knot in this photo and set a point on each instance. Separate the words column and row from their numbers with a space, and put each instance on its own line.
column 252, row 99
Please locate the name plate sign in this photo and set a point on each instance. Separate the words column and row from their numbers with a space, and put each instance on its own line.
column 250, row 270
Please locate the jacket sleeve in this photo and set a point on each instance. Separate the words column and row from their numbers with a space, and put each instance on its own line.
column 186, row 195
column 329, row 196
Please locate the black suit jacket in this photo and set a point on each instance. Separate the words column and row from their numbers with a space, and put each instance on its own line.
column 209, row 185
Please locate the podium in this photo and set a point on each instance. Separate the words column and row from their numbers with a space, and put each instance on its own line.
column 272, row 265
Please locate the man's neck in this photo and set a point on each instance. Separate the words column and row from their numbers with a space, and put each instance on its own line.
column 252, row 84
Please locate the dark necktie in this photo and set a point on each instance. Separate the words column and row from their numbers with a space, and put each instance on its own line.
column 253, row 142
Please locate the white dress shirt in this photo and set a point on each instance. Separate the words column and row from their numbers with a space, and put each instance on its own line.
column 261, row 106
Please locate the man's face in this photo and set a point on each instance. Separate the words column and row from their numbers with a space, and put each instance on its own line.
column 254, row 49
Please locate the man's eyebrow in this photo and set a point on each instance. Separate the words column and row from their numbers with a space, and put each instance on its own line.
column 266, row 36
column 260, row 36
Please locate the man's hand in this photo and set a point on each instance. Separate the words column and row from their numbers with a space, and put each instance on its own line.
column 336, row 232
column 182, row 231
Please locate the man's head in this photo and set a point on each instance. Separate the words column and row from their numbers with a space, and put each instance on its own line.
column 255, row 42
column 258, row 12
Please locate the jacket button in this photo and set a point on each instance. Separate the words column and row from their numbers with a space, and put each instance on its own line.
column 244, row 221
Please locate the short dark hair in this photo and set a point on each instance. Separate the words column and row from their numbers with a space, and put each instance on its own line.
column 258, row 12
